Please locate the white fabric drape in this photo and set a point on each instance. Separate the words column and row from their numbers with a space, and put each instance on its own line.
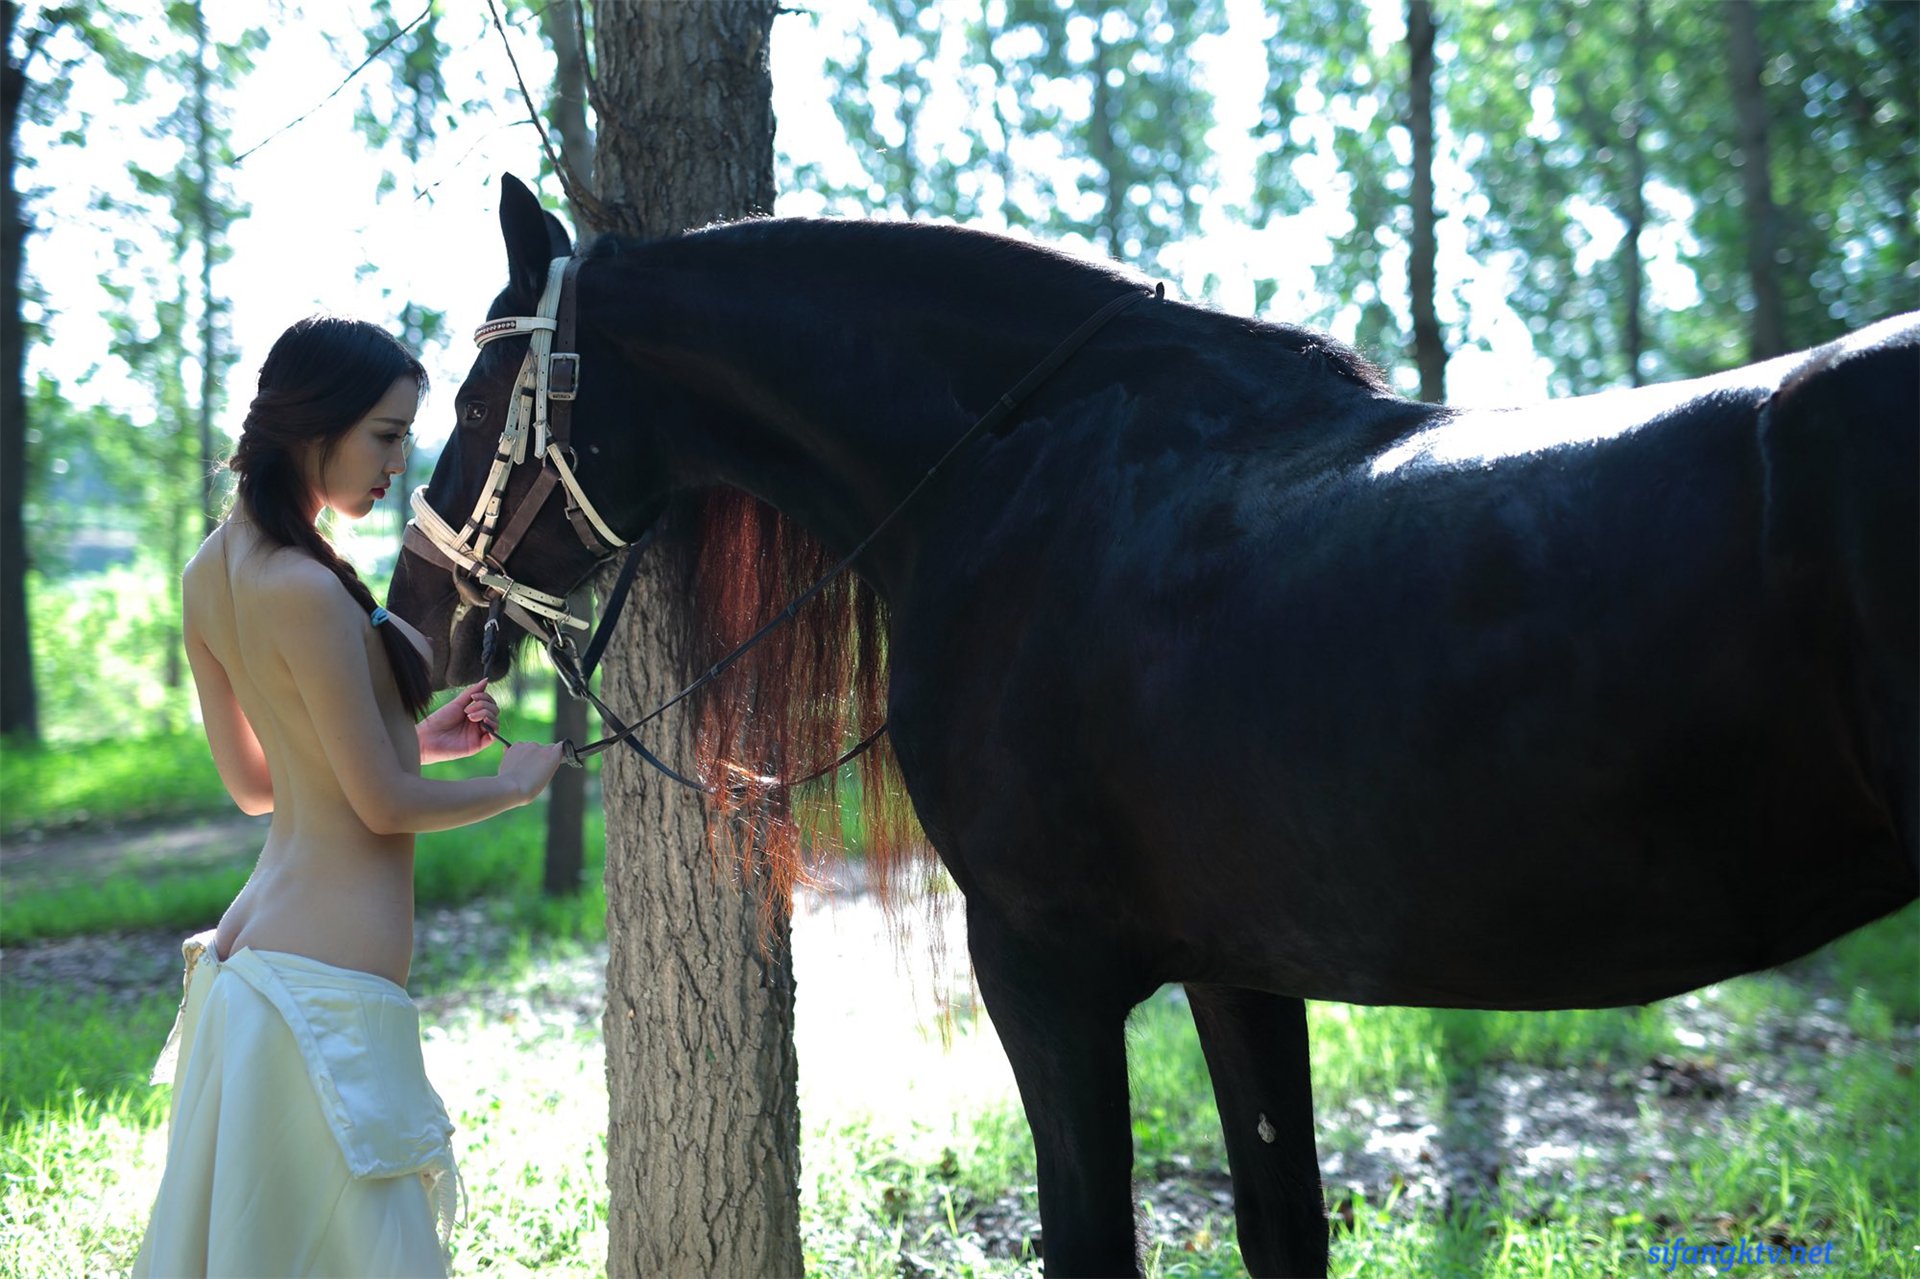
column 305, row 1139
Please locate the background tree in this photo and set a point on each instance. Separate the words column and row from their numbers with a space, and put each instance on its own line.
column 40, row 53
column 1071, row 123
column 19, row 710
column 1571, row 159
column 562, row 22
column 168, row 325
column 1836, row 86
column 402, row 112
column 1429, row 348
column 412, row 55
column 1610, row 144
column 177, row 349
column 1139, row 160
column 1744, row 68
column 880, row 104
column 1339, row 104
column 703, row 1139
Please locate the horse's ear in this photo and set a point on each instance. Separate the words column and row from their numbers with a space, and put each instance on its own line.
column 559, row 243
column 529, row 238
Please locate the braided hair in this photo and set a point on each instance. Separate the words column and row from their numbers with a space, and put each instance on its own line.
column 322, row 377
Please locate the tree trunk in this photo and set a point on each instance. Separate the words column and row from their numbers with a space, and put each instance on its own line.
column 567, row 794
column 1429, row 350
column 209, row 304
column 566, row 801
column 703, row 1140
column 1634, row 208
column 1744, row 62
column 568, row 114
column 1100, row 142
column 19, row 711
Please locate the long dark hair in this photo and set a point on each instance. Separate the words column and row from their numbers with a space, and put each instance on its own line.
column 323, row 375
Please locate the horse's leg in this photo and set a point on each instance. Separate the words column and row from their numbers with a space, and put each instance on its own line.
column 1060, row 1010
column 1256, row 1047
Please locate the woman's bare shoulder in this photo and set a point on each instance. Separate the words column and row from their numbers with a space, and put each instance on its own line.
column 208, row 560
column 290, row 588
column 276, row 585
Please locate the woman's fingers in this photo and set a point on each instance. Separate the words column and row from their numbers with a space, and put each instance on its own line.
column 481, row 709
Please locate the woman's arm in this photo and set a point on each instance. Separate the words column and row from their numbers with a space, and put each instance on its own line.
column 320, row 632
column 236, row 748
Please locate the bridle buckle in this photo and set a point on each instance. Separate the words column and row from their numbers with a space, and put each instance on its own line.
column 563, row 375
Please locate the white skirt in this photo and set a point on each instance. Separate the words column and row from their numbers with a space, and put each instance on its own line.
column 304, row 1137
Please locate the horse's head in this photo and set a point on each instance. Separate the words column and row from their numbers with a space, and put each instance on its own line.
column 455, row 558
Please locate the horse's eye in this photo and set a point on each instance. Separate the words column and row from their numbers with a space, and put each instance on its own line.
column 476, row 411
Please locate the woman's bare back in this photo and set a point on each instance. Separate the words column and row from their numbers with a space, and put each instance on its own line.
column 326, row 885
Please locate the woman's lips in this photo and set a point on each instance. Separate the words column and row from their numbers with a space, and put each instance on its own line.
column 379, row 492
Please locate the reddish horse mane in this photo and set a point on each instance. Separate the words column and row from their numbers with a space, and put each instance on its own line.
column 801, row 698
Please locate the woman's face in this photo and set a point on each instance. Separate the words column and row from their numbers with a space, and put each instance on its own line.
column 362, row 463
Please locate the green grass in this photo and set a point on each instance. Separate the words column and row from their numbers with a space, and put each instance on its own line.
column 499, row 858
column 167, row 774
column 73, row 786
column 901, row 1187
column 892, row 1192
column 53, row 1047
column 105, row 646
column 82, row 1133
column 76, row 1182
column 915, row 1184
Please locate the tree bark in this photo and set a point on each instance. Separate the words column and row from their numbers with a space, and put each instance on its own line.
column 1100, row 142
column 19, row 709
column 209, row 304
column 568, row 114
column 1429, row 349
column 567, row 795
column 1634, row 207
column 703, row 1142
column 1745, row 61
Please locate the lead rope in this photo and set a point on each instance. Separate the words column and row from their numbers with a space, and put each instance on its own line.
column 560, row 647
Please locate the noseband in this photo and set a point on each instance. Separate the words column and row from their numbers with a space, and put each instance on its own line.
column 541, row 411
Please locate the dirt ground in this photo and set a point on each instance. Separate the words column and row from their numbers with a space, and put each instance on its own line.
column 869, row 1010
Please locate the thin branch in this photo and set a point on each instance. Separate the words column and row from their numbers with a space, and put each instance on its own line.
column 584, row 202
column 426, row 192
column 586, row 59
column 380, row 49
column 33, row 41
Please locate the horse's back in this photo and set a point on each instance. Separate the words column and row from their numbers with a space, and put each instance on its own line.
column 1842, row 443
column 1546, row 680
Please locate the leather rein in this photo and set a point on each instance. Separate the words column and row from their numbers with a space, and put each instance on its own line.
column 541, row 415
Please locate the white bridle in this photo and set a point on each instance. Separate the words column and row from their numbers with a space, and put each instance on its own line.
column 546, row 376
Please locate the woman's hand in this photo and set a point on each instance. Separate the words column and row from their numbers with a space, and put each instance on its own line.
column 463, row 727
column 529, row 766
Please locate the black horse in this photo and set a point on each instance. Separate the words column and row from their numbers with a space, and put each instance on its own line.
column 1218, row 663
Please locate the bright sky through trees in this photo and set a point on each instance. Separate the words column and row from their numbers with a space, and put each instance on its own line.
column 324, row 233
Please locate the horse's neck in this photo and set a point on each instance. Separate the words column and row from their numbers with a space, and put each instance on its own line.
column 830, row 414
column 832, row 397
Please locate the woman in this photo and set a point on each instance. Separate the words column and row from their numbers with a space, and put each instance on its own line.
column 304, row 1138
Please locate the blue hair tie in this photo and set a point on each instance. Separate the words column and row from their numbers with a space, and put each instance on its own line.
column 380, row 615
